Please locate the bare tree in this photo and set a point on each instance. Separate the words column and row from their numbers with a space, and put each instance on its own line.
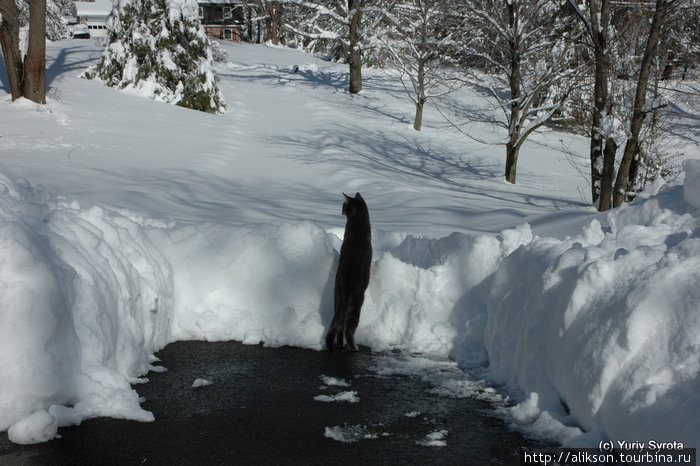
column 610, row 184
column 272, row 13
column 624, row 181
column 34, row 84
column 530, row 71
column 415, row 41
column 337, row 20
column 603, row 144
column 355, row 52
column 9, row 39
column 27, row 77
column 682, row 41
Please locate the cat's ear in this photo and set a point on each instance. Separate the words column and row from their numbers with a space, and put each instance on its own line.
column 347, row 198
column 358, row 197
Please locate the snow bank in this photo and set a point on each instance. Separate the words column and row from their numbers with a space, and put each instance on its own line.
column 87, row 295
column 80, row 296
column 263, row 283
column 600, row 333
column 606, row 326
column 429, row 295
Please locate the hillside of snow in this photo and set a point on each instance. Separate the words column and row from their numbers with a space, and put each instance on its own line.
column 126, row 224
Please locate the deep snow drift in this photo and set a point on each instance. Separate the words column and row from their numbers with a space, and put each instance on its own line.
column 228, row 227
column 606, row 322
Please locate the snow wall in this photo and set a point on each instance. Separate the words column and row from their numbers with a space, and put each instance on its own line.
column 597, row 336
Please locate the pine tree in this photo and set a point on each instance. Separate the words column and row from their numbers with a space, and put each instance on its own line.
column 56, row 26
column 159, row 47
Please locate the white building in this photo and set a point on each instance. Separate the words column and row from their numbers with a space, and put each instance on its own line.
column 94, row 14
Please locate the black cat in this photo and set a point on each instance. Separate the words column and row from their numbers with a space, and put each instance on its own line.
column 352, row 277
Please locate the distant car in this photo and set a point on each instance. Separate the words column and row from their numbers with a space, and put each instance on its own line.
column 81, row 31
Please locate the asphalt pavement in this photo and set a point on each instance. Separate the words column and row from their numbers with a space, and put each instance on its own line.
column 273, row 406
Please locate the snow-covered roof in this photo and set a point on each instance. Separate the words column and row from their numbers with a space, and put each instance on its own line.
column 96, row 8
column 220, row 2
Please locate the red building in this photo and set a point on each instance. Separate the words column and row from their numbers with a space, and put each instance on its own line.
column 222, row 19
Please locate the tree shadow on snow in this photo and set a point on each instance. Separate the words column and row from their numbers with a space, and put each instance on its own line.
column 65, row 64
column 287, row 75
column 413, row 162
column 62, row 64
column 189, row 195
column 401, row 156
column 4, row 82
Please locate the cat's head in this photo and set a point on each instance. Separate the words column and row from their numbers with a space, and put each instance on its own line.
column 353, row 205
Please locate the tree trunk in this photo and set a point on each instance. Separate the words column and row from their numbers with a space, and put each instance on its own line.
column 512, row 151
column 622, row 182
column 354, row 54
column 278, row 21
column 34, row 83
column 602, row 157
column 418, row 121
column 600, row 98
column 420, row 77
column 515, row 82
column 271, row 31
column 273, row 21
column 9, row 40
column 607, row 175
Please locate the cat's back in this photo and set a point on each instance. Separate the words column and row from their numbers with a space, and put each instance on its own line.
column 356, row 250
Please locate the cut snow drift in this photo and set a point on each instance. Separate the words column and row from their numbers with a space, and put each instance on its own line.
column 606, row 325
column 606, row 322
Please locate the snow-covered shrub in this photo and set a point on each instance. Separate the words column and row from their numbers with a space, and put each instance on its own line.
column 217, row 52
column 160, row 48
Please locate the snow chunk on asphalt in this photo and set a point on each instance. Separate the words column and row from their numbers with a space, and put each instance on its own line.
column 334, row 382
column 350, row 434
column 201, row 383
column 350, row 397
column 434, row 439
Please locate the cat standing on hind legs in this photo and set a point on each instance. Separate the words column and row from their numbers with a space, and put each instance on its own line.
column 352, row 277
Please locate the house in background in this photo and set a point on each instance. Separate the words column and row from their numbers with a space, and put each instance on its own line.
column 94, row 14
column 222, row 19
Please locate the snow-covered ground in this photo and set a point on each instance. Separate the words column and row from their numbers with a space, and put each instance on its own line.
column 126, row 224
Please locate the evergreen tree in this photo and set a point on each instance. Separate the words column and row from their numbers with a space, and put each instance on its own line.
column 56, row 26
column 159, row 47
